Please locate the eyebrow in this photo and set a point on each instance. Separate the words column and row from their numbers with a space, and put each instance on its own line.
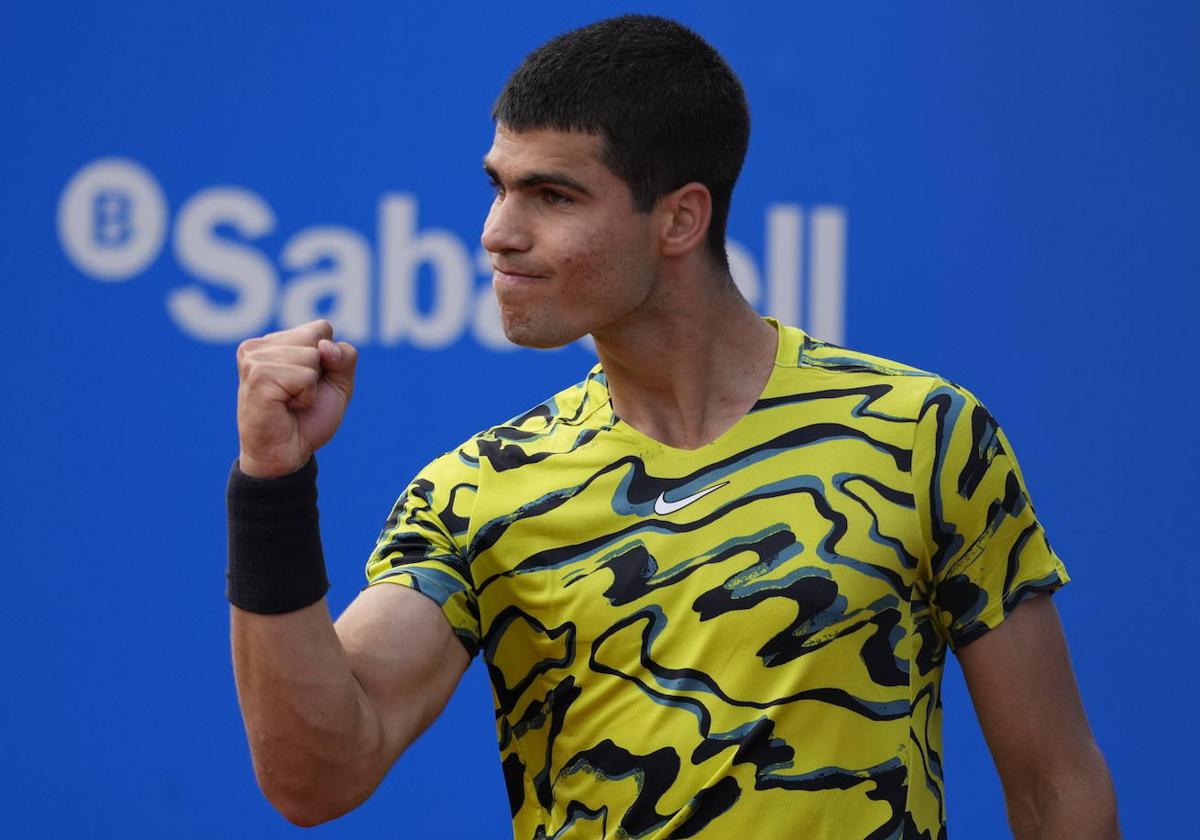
column 540, row 179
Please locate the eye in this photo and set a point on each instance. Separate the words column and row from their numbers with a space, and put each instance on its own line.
column 496, row 188
column 555, row 197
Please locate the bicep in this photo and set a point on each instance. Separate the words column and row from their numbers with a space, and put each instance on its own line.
column 1025, row 695
column 405, row 657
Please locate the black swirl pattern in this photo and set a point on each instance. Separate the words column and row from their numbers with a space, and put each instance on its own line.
column 742, row 640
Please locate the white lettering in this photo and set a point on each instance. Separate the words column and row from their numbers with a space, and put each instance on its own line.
column 430, row 289
column 242, row 270
column 826, row 274
column 402, row 253
column 347, row 281
column 784, row 240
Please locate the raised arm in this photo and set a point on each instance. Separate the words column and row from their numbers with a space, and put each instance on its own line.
column 1056, row 783
column 328, row 709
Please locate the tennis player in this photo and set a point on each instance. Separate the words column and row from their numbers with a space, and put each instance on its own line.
column 715, row 581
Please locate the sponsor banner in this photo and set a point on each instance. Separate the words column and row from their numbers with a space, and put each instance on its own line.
column 114, row 221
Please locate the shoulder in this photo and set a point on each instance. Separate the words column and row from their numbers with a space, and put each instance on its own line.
column 559, row 424
column 905, row 388
column 571, row 407
column 823, row 355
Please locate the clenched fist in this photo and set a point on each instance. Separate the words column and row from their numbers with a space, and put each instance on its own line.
column 293, row 388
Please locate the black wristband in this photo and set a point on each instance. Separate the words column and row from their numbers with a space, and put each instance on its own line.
column 276, row 564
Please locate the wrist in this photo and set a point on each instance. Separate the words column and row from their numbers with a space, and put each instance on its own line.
column 276, row 563
column 253, row 467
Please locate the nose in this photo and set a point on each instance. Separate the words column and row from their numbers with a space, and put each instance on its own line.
column 505, row 230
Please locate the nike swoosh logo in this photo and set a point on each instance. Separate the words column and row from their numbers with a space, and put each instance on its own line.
column 662, row 507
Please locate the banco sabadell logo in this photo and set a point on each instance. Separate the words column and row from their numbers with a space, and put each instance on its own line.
column 113, row 220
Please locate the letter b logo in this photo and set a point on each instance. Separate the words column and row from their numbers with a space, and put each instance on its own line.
column 112, row 218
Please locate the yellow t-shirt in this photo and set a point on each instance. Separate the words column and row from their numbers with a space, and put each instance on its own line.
column 743, row 640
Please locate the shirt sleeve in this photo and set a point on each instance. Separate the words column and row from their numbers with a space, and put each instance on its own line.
column 987, row 551
column 423, row 545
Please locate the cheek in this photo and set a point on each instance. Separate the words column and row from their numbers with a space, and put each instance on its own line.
column 602, row 251
column 582, row 263
column 583, row 266
column 624, row 258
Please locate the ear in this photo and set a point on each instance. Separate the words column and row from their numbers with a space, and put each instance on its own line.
column 685, row 214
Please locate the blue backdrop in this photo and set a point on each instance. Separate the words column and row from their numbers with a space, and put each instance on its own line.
column 1005, row 195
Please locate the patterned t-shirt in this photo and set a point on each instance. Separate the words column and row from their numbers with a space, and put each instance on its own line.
column 742, row 640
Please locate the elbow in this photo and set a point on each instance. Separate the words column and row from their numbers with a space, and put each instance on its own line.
column 301, row 815
column 1075, row 799
column 1101, row 799
column 301, row 807
column 313, row 798
column 307, row 808
column 309, row 783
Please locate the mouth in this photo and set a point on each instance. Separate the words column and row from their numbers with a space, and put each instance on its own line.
column 514, row 277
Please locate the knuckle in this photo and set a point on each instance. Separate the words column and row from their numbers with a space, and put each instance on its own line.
column 246, row 347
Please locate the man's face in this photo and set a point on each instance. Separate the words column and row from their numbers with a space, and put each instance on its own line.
column 571, row 253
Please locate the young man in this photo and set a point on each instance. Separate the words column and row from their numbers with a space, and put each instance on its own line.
column 714, row 582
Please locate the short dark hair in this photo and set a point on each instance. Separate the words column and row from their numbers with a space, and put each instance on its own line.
column 665, row 103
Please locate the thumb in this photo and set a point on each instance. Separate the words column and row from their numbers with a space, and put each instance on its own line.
column 337, row 363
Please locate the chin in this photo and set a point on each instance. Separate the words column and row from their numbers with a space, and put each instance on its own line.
column 539, row 336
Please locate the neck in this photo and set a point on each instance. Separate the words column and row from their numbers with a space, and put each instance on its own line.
column 688, row 363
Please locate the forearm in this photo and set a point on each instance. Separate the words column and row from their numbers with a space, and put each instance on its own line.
column 308, row 722
column 316, row 743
